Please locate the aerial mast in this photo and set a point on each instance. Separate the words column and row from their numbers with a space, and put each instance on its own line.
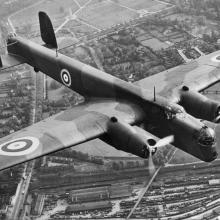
column 154, row 94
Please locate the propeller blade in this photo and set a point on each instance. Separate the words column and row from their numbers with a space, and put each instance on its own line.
column 164, row 141
column 151, row 165
column 161, row 143
column 217, row 119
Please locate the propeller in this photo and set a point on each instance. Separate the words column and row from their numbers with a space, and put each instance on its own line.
column 217, row 116
column 217, row 119
column 153, row 172
column 152, row 149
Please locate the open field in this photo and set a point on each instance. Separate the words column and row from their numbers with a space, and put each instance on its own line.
column 142, row 4
column 155, row 44
column 101, row 14
column 56, row 9
column 87, row 18
column 78, row 29
column 106, row 14
column 33, row 31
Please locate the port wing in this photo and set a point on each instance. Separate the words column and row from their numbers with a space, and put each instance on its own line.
column 66, row 129
column 197, row 75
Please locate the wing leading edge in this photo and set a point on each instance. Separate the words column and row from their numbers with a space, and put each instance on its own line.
column 66, row 129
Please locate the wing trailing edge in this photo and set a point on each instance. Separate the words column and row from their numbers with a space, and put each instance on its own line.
column 69, row 128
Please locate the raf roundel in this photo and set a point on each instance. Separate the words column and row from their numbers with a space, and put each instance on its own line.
column 19, row 147
column 65, row 77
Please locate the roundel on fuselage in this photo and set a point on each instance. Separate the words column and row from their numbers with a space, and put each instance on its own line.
column 65, row 77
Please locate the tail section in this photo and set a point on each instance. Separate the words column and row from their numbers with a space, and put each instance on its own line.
column 16, row 56
column 47, row 31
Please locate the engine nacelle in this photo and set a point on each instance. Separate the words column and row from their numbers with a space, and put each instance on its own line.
column 124, row 137
column 199, row 105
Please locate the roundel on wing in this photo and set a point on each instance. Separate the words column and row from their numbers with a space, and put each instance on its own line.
column 20, row 146
column 65, row 77
column 216, row 58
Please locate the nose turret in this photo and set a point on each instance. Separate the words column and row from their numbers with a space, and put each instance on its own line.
column 206, row 141
column 206, row 136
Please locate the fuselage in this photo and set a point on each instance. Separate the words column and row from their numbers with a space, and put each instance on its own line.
column 191, row 135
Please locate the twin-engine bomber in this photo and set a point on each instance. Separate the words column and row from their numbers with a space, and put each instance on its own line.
column 128, row 116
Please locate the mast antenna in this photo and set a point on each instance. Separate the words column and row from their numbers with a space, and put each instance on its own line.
column 154, row 94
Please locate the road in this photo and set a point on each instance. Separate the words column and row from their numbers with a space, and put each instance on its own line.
column 22, row 189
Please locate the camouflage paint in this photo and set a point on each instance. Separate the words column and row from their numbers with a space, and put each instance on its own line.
column 89, row 121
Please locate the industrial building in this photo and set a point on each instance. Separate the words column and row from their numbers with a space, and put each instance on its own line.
column 100, row 193
column 88, row 206
column 39, row 205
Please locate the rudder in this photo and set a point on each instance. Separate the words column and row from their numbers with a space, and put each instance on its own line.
column 47, row 31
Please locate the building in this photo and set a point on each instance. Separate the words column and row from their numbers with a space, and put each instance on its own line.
column 90, row 194
column 214, row 182
column 119, row 191
column 100, row 193
column 89, row 206
column 39, row 205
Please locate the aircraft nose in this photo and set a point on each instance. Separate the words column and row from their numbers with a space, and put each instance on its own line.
column 207, row 143
column 210, row 132
column 206, row 136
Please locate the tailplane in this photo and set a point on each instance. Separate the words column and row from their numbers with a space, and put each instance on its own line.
column 47, row 31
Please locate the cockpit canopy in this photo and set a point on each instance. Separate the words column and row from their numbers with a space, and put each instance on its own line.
column 172, row 110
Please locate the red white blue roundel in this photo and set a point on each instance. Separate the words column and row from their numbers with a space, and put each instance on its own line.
column 65, row 77
column 19, row 146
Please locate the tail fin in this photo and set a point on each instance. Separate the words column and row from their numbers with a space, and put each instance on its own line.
column 47, row 31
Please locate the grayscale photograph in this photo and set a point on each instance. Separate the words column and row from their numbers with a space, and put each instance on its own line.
column 110, row 109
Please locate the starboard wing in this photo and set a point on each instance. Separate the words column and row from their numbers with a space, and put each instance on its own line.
column 197, row 75
column 66, row 129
